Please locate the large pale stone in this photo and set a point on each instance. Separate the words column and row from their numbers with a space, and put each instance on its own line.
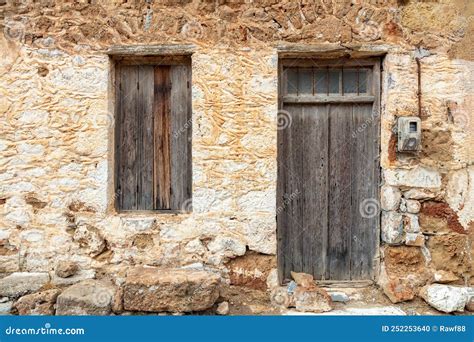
column 175, row 290
column 9, row 263
column 260, row 233
column 390, row 197
column 21, row 283
column 418, row 194
column 312, row 299
column 457, row 189
column 41, row 303
column 89, row 297
column 470, row 300
column 419, row 177
column 227, row 246
column 445, row 298
column 392, row 227
column 413, row 206
column 89, row 238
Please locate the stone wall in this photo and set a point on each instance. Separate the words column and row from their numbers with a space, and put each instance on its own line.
column 56, row 193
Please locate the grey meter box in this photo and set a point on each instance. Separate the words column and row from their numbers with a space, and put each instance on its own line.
column 409, row 134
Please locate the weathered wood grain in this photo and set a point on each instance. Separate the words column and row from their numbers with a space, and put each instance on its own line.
column 162, row 113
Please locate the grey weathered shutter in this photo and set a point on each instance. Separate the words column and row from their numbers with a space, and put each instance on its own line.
column 153, row 137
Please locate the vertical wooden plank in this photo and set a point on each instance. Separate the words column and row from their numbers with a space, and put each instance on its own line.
column 128, row 136
column 161, row 115
column 117, row 137
column 281, row 211
column 340, row 119
column 179, row 138
column 189, row 135
column 364, row 187
column 289, row 209
column 374, row 240
column 145, row 142
column 295, row 186
column 314, row 191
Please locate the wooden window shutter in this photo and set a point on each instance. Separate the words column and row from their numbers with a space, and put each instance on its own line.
column 153, row 136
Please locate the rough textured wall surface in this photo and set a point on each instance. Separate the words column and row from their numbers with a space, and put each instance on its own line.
column 56, row 197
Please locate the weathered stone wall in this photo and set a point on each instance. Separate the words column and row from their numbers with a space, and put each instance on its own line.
column 56, row 194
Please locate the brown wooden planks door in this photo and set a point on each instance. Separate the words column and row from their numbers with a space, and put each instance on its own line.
column 153, row 137
column 328, row 172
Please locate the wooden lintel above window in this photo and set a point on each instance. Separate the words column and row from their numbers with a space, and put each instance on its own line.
column 151, row 50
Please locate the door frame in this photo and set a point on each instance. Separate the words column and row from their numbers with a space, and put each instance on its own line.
column 375, row 65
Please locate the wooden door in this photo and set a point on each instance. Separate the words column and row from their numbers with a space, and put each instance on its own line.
column 328, row 168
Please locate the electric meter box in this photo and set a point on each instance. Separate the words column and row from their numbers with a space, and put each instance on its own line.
column 409, row 134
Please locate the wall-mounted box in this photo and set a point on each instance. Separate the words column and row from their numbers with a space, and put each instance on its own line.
column 409, row 134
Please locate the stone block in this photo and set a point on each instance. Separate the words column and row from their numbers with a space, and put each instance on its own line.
column 312, row 300
column 89, row 297
column 413, row 206
column 392, row 227
column 41, row 303
column 21, row 283
column 445, row 298
column 390, row 197
column 174, row 290
column 419, row 177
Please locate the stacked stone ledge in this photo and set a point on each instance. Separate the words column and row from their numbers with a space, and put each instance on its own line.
column 145, row 289
column 406, row 231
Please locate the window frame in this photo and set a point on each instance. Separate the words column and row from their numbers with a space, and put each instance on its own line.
column 365, row 64
column 118, row 60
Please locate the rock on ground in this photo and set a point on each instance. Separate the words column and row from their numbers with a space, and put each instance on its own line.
column 223, row 308
column 175, row 290
column 355, row 311
column 445, row 298
column 398, row 290
column 5, row 308
column 21, row 283
column 89, row 297
column 339, row 296
column 313, row 300
column 41, row 303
